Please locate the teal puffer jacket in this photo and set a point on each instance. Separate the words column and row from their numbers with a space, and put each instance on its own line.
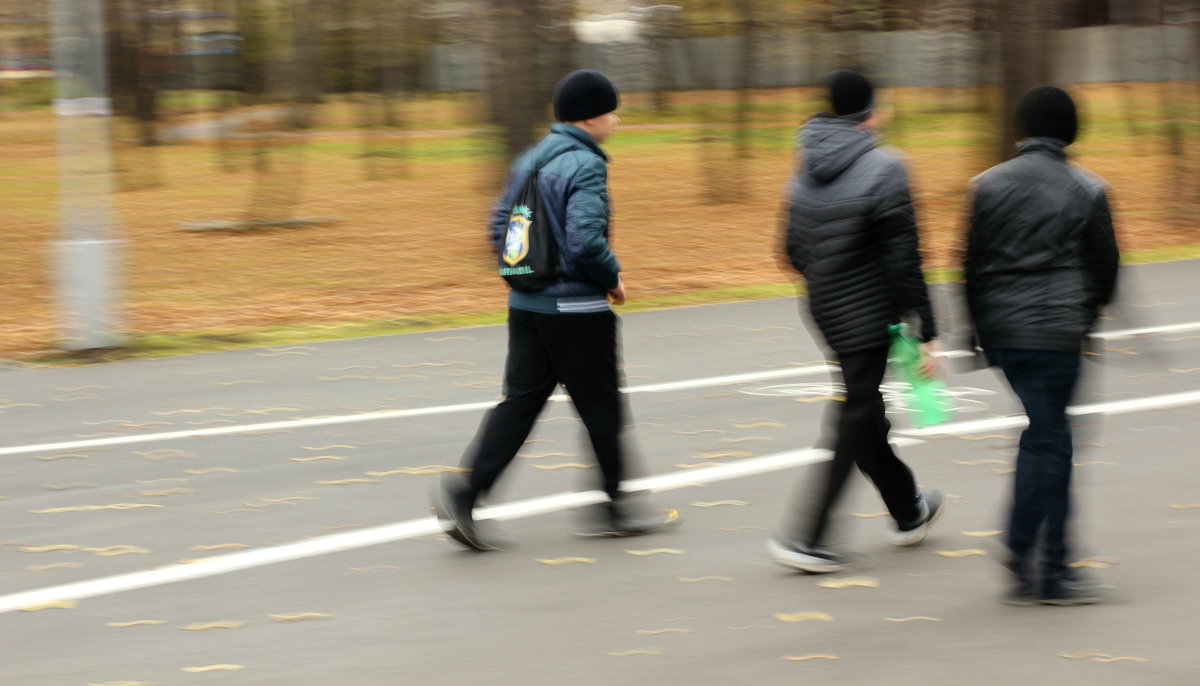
column 573, row 183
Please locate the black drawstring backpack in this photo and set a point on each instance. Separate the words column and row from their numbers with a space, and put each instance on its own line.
column 529, row 255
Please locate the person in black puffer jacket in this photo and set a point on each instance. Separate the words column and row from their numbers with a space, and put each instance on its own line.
column 1041, row 260
column 851, row 232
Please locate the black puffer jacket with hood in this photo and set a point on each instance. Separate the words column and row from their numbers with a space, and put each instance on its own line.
column 852, row 233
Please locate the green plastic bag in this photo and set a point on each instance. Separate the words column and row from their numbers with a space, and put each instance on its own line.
column 928, row 401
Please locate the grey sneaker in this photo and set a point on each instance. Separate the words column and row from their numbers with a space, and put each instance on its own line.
column 930, row 507
column 811, row 559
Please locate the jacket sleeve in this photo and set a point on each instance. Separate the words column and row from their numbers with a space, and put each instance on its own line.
column 586, row 228
column 895, row 220
column 1101, row 254
column 969, row 247
column 794, row 244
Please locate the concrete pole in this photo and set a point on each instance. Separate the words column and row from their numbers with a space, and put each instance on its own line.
column 85, row 255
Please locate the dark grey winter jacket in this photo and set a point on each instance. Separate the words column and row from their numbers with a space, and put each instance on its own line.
column 852, row 233
column 1041, row 255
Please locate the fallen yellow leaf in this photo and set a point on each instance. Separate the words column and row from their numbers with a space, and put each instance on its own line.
column 912, row 619
column 803, row 616
column 62, row 604
column 848, row 582
column 227, row 624
column 565, row 560
column 299, row 616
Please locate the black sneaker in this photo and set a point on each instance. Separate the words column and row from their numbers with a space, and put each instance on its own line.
column 1070, row 591
column 1023, row 591
column 929, row 509
column 617, row 519
column 1021, row 594
column 453, row 512
column 811, row 559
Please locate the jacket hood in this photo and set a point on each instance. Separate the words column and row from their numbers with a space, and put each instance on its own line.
column 831, row 144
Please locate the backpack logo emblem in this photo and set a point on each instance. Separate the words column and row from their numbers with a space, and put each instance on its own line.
column 516, row 243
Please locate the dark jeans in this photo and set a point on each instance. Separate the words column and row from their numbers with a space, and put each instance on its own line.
column 578, row 351
column 1045, row 381
column 862, row 440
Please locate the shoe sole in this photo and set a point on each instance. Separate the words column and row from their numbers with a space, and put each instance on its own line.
column 788, row 558
column 1069, row 602
column 917, row 536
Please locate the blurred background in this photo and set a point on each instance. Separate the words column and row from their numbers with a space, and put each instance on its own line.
column 189, row 174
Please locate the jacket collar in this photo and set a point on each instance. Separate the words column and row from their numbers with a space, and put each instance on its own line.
column 1054, row 147
column 580, row 135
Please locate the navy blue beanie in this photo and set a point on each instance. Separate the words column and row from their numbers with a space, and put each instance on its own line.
column 584, row 94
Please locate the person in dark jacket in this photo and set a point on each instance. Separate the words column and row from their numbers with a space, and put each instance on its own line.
column 1041, row 260
column 851, row 232
column 565, row 333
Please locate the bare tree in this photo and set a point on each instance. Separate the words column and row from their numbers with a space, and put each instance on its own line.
column 1025, row 58
column 747, row 66
column 306, row 74
column 147, row 65
column 663, row 29
column 517, row 104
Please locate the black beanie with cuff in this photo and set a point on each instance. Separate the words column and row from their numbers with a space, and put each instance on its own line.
column 584, row 94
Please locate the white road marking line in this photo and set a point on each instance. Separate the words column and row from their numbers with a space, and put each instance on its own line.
column 388, row 533
column 1143, row 331
column 394, row 414
column 422, row 527
column 1156, row 402
column 471, row 407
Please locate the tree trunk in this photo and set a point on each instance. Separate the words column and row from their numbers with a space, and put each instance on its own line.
column 519, row 106
column 306, row 75
column 747, row 64
column 1024, row 33
column 145, row 80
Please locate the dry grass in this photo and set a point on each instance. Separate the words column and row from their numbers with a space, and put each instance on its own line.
column 409, row 246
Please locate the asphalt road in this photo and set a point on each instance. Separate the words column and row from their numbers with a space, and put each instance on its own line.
column 260, row 517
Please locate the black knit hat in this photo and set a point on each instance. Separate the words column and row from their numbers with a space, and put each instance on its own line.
column 584, row 94
column 1048, row 112
column 850, row 93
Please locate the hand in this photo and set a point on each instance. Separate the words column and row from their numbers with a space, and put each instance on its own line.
column 931, row 362
column 618, row 294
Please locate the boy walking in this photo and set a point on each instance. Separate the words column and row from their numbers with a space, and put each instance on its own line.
column 1041, row 260
column 564, row 333
column 852, row 234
